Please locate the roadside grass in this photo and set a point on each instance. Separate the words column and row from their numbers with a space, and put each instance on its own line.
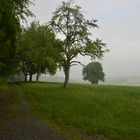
column 3, row 90
column 9, row 94
column 111, row 111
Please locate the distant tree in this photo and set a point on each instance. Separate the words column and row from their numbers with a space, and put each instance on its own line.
column 38, row 51
column 93, row 72
column 11, row 14
column 69, row 22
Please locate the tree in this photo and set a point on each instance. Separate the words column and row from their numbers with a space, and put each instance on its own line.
column 69, row 22
column 38, row 50
column 11, row 14
column 93, row 72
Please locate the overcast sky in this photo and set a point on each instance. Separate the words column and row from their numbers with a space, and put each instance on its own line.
column 119, row 27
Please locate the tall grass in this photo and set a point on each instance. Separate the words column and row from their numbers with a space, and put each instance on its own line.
column 113, row 111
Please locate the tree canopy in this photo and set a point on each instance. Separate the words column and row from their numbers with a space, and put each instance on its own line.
column 38, row 50
column 11, row 14
column 93, row 72
column 69, row 23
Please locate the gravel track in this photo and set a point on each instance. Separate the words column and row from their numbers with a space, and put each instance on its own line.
column 20, row 123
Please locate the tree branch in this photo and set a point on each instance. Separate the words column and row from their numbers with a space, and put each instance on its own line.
column 60, row 28
column 71, row 63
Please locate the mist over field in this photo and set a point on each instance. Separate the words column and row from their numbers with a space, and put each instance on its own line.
column 118, row 26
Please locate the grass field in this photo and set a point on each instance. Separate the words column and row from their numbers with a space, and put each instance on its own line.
column 86, row 111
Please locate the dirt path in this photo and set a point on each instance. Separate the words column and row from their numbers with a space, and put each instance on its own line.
column 18, row 122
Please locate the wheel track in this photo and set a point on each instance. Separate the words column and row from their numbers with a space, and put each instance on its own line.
column 21, row 123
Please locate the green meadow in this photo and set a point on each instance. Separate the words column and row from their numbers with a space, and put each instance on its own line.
column 87, row 111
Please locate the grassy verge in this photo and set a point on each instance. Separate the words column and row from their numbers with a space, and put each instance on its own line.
column 86, row 110
column 3, row 90
column 10, row 102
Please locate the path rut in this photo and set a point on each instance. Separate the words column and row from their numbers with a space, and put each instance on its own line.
column 18, row 122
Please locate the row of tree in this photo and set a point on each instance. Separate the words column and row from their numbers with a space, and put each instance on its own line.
column 37, row 49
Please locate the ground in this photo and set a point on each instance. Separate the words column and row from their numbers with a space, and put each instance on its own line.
column 39, row 111
column 18, row 121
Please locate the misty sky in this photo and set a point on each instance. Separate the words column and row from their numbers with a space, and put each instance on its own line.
column 119, row 27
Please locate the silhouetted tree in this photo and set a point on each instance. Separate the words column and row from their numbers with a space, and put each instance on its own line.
column 69, row 22
column 93, row 72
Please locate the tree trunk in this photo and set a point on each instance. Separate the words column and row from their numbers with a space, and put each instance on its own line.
column 67, row 71
column 37, row 76
column 30, row 79
column 25, row 77
column 94, row 82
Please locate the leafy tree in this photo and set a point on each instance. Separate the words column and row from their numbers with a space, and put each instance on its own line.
column 69, row 23
column 38, row 51
column 11, row 14
column 93, row 72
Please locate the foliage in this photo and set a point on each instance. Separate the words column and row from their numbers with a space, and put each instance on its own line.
column 93, row 72
column 11, row 14
column 38, row 50
column 69, row 22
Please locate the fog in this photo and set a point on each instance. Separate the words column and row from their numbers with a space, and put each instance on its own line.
column 118, row 26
